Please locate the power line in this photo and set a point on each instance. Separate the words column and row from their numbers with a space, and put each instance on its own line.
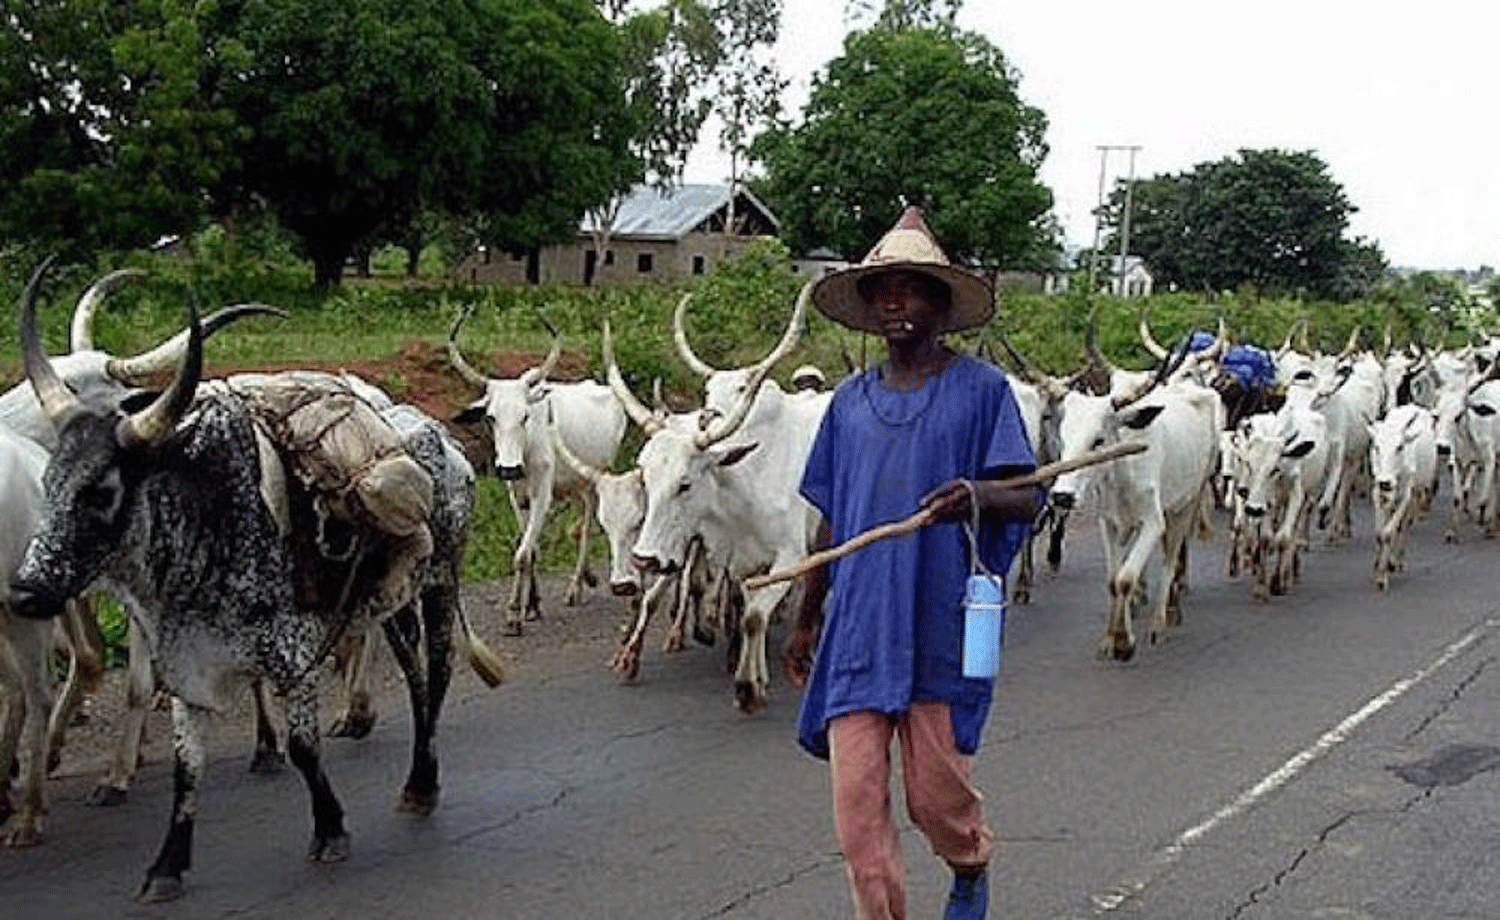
column 1104, row 151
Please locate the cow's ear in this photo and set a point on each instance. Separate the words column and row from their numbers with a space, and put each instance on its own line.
column 1143, row 417
column 1483, row 410
column 732, row 455
column 1300, row 449
column 470, row 414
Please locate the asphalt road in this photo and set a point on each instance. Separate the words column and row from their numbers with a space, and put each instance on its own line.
column 1328, row 754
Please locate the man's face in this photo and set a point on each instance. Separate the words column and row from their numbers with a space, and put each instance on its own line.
column 904, row 305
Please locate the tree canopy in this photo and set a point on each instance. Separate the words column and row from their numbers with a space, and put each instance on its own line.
column 120, row 122
column 913, row 115
column 1271, row 219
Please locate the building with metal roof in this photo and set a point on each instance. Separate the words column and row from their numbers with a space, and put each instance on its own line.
column 654, row 235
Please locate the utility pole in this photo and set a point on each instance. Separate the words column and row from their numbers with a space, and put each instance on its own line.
column 1104, row 150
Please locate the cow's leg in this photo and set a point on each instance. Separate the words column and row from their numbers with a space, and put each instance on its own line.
column 1021, row 591
column 1286, row 539
column 85, row 673
column 268, row 760
column 627, row 658
column 114, row 786
column 582, row 575
column 1055, row 536
column 30, row 647
column 420, row 794
column 1119, row 639
column 164, row 878
column 330, row 841
column 353, row 662
column 753, row 676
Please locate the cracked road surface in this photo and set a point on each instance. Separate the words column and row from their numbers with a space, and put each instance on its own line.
column 1251, row 766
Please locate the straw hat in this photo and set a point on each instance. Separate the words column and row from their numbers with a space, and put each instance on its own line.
column 908, row 246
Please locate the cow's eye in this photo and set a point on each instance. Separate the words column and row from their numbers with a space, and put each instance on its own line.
column 99, row 499
column 1098, row 443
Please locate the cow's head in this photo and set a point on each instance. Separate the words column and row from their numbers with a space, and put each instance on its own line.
column 684, row 479
column 515, row 409
column 103, row 454
column 1270, row 448
column 620, row 508
column 1392, row 441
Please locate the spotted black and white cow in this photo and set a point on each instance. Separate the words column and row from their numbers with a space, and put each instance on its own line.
column 166, row 506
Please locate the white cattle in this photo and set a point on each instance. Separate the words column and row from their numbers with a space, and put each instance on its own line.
column 1474, row 422
column 1148, row 502
column 1403, row 464
column 1286, row 460
column 741, row 498
column 620, row 506
column 588, row 417
column 33, row 725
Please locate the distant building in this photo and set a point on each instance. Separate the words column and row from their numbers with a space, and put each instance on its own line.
column 1137, row 281
column 656, row 235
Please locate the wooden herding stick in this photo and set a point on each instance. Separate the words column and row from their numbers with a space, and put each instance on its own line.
column 896, row 528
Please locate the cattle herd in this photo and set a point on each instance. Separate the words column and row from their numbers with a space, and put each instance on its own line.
column 185, row 506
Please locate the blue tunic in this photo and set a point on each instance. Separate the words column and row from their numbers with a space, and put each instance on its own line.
column 893, row 625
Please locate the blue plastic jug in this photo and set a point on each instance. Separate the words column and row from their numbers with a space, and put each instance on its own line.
column 984, row 626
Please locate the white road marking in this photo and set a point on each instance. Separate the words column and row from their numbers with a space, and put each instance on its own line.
column 1132, row 885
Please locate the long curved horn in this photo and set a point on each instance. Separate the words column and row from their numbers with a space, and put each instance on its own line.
column 736, row 417
column 1147, row 339
column 57, row 400
column 539, row 373
column 1349, row 346
column 153, row 424
column 679, row 336
column 139, row 369
column 1286, row 343
column 1164, row 371
column 456, row 357
column 793, row 331
column 81, row 334
column 587, row 471
column 649, row 421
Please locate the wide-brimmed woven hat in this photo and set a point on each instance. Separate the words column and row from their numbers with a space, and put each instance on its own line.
column 908, row 246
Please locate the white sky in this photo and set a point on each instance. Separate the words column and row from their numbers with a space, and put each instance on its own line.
column 1400, row 100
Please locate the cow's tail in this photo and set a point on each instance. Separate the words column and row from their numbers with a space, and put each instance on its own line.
column 481, row 658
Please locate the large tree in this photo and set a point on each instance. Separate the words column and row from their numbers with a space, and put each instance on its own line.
column 105, row 140
column 914, row 112
column 360, row 111
column 1271, row 219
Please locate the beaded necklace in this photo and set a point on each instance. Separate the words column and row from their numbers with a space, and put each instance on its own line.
column 872, row 377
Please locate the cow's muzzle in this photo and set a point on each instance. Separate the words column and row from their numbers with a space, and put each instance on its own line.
column 34, row 602
column 1444, row 450
column 510, row 472
column 1255, row 511
column 1063, row 501
column 624, row 588
column 1385, row 485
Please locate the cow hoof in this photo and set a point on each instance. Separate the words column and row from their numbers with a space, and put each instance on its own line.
column 573, row 597
column 353, row 725
column 419, row 804
column 107, row 796
column 160, row 888
column 674, row 643
column 627, row 664
column 54, row 760
column 533, row 614
column 746, row 699
column 1450, row 537
column 332, row 849
column 24, row 834
column 704, row 636
column 268, row 763
column 511, row 628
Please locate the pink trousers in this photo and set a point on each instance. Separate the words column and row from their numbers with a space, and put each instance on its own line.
column 940, row 799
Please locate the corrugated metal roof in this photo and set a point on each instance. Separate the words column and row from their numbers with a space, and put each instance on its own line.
column 651, row 212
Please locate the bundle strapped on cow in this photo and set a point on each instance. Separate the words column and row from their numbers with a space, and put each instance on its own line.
column 924, row 517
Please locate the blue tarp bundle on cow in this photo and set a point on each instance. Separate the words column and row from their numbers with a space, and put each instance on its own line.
column 1254, row 367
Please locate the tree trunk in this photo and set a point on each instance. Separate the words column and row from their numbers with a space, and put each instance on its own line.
column 328, row 267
